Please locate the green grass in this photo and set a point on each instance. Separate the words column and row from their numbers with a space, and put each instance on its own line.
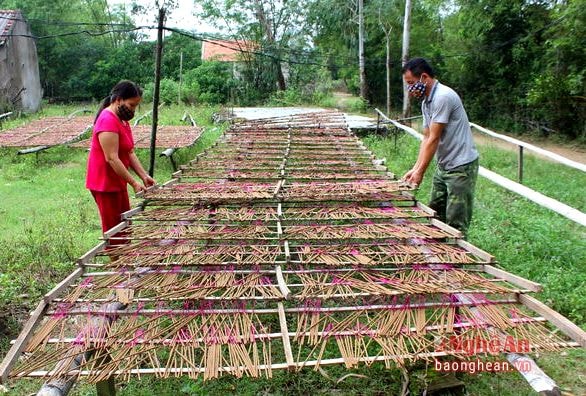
column 48, row 220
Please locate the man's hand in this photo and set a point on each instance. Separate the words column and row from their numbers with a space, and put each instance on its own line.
column 414, row 177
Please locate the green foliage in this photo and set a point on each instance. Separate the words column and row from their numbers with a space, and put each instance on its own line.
column 168, row 91
column 357, row 105
column 211, row 83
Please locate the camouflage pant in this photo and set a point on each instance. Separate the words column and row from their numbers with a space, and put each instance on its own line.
column 452, row 195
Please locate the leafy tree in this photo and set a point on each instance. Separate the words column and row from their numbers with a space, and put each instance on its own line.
column 175, row 45
column 276, row 28
column 211, row 82
column 557, row 93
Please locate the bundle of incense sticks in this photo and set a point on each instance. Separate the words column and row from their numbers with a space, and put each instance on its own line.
column 383, row 253
column 186, row 230
column 406, row 230
column 351, row 212
column 360, row 283
column 209, row 214
column 177, row 285
column 300, row 175
column 48, row 131
column 407, row 333
column 168, row 253
column 168, row 136
column 216, row 192
column 233, row 174
column 161, row 341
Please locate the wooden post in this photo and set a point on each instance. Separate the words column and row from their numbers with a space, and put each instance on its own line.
column 388, row 67
column 405, row 54
column 361, row 62
column 157, row 88
column 180, row 76
column 520, row 165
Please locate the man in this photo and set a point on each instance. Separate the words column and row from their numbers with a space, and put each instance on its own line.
column 447, row 135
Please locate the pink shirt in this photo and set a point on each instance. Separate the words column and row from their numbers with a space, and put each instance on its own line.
column 100, row 175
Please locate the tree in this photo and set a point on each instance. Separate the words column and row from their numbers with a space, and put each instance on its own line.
column 65, row 51
column 276, row 28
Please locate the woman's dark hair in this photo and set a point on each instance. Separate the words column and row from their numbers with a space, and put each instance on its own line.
column 418, row 66
column 125, row 89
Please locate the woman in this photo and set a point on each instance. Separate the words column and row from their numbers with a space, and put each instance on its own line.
column 112, row 154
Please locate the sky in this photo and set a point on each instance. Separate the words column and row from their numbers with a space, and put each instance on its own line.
column 182, row 17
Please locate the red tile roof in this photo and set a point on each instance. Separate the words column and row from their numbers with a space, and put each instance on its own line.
column 7, row 21
column 226, row 50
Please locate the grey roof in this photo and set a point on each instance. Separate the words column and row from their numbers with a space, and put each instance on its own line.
column 7, row 22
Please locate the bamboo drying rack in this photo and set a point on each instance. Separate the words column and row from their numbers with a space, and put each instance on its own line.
column 243, row 265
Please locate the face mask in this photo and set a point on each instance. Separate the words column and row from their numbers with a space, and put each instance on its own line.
column 417, row 89
column 125, row 113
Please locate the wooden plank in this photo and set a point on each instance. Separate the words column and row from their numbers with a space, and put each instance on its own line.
column 279, row 230
column 474, row 250
column 286, row 340
column 31, row 150
column 281, row 282
column 116, row 229
column 535, row 149
column 532, row 195
column 287, row 252
column 514, row 279
column 131, row 212
column 278, row 187
column 426, row 209
column 20, row 343
column 91, row 253
column 63, row 284
column 557, row 319
column 447, row 228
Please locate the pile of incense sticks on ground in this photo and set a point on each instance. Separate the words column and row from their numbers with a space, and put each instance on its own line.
column 48, row 131
column 285, row 245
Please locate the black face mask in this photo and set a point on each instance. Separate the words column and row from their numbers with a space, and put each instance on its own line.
column 125, row 113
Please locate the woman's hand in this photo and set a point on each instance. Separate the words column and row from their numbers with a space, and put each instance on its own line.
column 137, row 187
column 148, row 181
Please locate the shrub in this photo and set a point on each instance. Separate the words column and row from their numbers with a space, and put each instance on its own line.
column 210, row 82
column 168, row 91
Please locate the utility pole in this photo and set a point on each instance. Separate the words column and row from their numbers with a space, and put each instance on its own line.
column 180, row 75
column 361, row 66
column 405, row 54
column 388, row 67
column 158, row 55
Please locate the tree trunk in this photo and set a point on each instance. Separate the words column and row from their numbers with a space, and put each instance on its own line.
column 405, row 54
column 270, row 38
column 361, row 66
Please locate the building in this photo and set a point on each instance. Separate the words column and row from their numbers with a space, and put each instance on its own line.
column 235, row 52
column 226, row 50
column 20, row 84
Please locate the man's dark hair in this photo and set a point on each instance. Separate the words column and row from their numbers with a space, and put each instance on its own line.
column 418, row 66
